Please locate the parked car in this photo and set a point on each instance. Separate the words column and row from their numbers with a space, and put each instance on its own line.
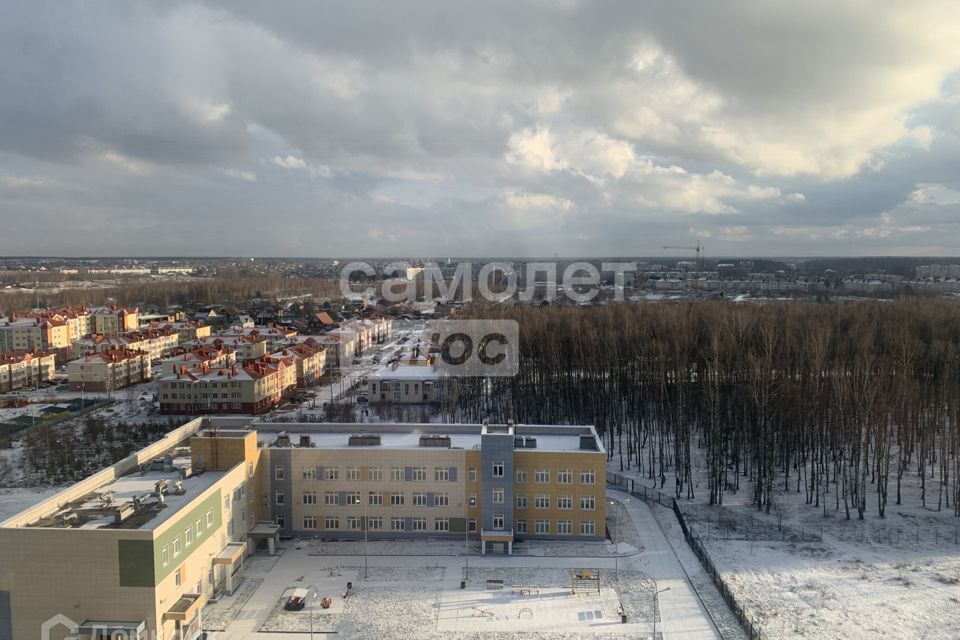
column 295, row 603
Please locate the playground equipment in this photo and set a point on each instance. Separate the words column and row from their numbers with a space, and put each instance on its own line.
column 526, row 611
column 584, row 581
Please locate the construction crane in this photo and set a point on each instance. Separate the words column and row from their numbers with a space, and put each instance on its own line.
column 698, row 264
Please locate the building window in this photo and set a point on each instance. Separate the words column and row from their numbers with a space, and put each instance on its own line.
column 472, row 500
column 176, row 546
column 375, row 474
column 226, row 502
column 497, row 522
column 330, row 498
column 278, row 497
column 309, row 522
column 472, row 474
column 375, row 523
column 419, row 524
column 441, row 474
column 396, row 524
column 353, row 497
column 497, row 469
column 521, row 526
column 564, row 527
column 353, row 473
column 588, row 476
column 521, row 502
column 542, row 527
column 176, row 577
column 309, row 497
column 331, row 523
column 521, row 476
column 353, row 523
column 588, row 503
column 472, row 526
column 441, row 499
column 278, row 473
column 564, row 476
column 281, row 522
column 498, row 496
column 420, row 474
column 199, row 528
column 187, row 537
column 542, row 502
column 375, row 498
column 541, row 476
column 165, row 556
column 396, row 474
column 588, row 528
column 396, row 499
column 441, row 524
column 309, row 473
column 564, row 503
column 332, row 473
column 419, row 499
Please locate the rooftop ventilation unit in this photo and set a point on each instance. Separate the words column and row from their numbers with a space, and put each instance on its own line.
column 435, row 440
column 588, row 442
column 305, row 440
column 283, row 439
column 364, row 440
column 524, row 442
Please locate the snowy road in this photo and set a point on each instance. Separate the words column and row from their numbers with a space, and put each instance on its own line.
column 683, row 617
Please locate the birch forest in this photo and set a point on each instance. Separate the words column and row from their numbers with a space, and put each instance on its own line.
column 845, row 403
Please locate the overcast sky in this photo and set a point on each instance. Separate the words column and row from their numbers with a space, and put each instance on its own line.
column 244, row 127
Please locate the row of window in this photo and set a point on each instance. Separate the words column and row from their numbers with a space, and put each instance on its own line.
column 377, row 523
column 186, row 539
column 335, row 498
column 397, row 474
column 564, row 503
column 540, row 476
column 204, row 396
column 440, row 474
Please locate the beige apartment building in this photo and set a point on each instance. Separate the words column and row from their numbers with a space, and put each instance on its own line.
column 307, row 358
column 209, row 357
column 252, row 388
column 188, row 330
column 109, row 370
column 33, row 332
column 141, row 546
column 112, row 320
column 26, row 369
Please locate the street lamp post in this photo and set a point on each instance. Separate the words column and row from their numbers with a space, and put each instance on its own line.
column 616, row 534
column 655, row 595
column 366, row 527
column 313, row 593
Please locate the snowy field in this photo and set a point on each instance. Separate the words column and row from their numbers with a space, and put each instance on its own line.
column 894, row 578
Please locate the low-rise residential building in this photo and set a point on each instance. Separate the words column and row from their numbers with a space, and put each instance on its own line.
column 188, row 330
column 36, row 331
column 274, row 335
column 109, row 370
column 247, row 347
column 157, row 342
column 307, row 358
column 26, row 369
column 405, row 384
column 252, row 388
column 209, row 357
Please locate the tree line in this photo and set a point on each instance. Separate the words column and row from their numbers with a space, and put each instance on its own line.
column 840, row 402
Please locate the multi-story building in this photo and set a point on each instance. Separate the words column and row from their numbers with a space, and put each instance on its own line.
column 247, row 347
column 308, row 359
column 189, row 331
column 138, row 548
column 501, row 482
column 112, row 320
column 211, row 358
column 252, row 388
column 26, row 369
column 45, row 332
column 158, row 343
column 109, row 370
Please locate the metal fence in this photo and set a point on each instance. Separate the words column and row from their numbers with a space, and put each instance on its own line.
column 696, row 544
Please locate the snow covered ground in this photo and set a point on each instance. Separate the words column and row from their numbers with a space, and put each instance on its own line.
column 893, row 578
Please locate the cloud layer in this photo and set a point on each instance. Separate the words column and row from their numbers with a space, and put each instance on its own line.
column 455, row 128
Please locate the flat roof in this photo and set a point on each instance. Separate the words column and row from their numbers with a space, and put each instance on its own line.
column 93, row 511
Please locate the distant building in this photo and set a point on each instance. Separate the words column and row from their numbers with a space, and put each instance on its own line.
column 189, row 331
column 253, row 388
column 109, row 370
column 209, row 356
column 111, row 321
column 26, row 369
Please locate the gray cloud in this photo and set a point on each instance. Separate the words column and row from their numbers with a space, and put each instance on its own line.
column 511, row 128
